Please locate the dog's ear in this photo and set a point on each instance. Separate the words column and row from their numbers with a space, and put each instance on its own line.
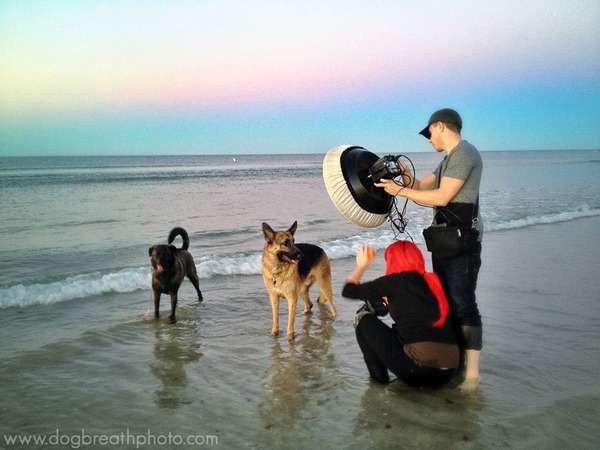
column 150, row 250
column 292, row 229
column 268, row 232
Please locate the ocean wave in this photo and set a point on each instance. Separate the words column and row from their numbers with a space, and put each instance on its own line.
column 152, row 175
column 75, row 287
column 124, row 281
column 544, row 219
column 133, row 279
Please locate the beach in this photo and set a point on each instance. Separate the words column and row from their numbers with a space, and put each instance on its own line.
column 84, row 370
column 217, row 372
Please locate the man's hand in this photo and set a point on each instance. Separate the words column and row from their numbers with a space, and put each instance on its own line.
column 390, row 186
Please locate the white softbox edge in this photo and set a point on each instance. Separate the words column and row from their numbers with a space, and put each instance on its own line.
column 340, row 193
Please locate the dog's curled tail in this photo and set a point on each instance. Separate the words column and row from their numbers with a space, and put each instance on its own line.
column 178, row 231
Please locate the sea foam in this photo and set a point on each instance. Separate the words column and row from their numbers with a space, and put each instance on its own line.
column 134, row 279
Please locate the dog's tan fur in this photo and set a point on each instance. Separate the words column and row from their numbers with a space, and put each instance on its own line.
column 280, row 270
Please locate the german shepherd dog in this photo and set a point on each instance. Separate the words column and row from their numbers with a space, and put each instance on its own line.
column 169, row 266
column 289, row 269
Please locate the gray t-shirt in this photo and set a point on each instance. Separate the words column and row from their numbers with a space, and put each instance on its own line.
column 463, row 163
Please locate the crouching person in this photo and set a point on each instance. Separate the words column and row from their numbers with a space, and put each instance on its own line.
column 420, row 348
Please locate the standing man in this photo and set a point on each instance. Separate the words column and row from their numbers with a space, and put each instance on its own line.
column 453, row 190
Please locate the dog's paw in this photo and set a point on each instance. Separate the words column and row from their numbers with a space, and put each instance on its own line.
column 290, row 336
column 307, row 310
column 274, row 333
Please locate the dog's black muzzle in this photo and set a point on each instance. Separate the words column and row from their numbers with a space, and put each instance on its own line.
column 290, row 257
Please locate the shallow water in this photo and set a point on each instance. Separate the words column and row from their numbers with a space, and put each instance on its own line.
column 83, row 363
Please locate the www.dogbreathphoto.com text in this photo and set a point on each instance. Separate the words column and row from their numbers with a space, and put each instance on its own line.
column 124, row 438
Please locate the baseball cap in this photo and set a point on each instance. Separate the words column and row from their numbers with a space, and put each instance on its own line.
column 445, row 115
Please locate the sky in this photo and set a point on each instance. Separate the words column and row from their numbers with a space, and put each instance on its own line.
column 145, row 77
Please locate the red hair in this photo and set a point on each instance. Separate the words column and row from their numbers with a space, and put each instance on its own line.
column 404, row 256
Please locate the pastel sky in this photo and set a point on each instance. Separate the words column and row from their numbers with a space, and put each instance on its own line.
column 294, row 76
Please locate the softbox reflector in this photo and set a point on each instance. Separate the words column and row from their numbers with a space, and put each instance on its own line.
column 346, row 176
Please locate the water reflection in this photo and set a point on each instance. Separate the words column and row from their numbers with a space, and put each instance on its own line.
column 177, row 345
column 298, row 381
column 397, row 416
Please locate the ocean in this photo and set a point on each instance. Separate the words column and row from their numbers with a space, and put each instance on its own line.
column 79, row 366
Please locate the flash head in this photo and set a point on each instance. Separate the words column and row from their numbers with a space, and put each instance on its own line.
column 386, row 167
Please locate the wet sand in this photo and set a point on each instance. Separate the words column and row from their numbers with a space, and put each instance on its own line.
column 99, row 370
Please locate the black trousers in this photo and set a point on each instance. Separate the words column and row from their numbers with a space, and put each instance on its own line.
column 459, row 279
column 382, row 350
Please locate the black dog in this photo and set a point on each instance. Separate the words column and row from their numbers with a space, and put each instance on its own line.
column 169, row 266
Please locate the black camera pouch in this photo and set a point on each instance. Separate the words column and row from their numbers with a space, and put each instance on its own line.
column 445, row 239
